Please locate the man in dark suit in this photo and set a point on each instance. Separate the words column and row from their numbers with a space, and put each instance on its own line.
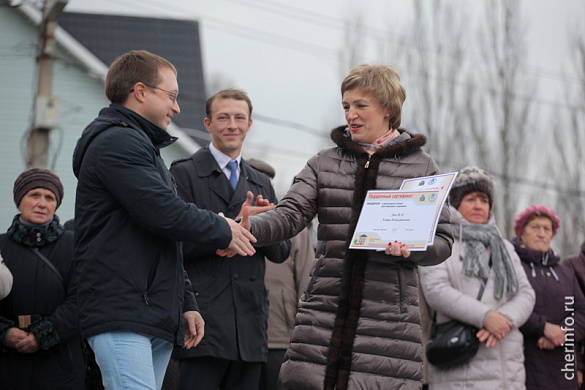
column 230, row 291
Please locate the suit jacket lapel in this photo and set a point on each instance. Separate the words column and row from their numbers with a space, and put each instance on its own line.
column 218, row 182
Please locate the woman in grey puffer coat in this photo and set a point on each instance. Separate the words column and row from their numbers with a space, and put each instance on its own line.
column 358, row 324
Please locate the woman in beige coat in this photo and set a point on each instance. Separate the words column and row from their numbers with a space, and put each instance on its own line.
column 358, row 323
column 451, row 288
column 5, row 279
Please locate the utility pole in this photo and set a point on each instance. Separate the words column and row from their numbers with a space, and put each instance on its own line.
column 46, row 113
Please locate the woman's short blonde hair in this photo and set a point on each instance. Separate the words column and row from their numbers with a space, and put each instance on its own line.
column 382, row 82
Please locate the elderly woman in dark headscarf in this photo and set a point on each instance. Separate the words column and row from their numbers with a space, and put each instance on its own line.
column 451, row 289
column 558, row 319
column 40, row 341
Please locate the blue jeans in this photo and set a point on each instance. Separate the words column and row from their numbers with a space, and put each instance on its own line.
column 130, row 360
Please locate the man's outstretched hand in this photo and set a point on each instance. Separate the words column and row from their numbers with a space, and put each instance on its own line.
column 241, row 243
column 245, row 226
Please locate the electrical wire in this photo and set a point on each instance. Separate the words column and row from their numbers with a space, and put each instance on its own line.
column 327, row 21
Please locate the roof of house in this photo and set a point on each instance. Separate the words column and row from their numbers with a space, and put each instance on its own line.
column 109, row 36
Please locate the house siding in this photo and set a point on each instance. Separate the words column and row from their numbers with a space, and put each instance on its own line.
column 81, row 96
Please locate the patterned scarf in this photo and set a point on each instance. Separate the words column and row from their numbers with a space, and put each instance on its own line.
column 35, row 236
column 384, row 140
column 478, row 238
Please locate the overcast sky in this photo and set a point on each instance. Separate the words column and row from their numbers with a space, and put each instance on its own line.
column 286, row 56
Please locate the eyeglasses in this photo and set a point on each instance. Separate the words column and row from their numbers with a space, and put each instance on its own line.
column 172, row 95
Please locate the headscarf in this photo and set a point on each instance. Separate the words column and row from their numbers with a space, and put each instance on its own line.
column 382, row 141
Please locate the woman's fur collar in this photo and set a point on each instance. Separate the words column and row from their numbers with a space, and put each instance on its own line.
column 338, row 135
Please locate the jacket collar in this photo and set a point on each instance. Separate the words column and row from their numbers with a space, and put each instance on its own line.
column 35, row 236
column 344, row 141
column 527, row 255
column 128, row 118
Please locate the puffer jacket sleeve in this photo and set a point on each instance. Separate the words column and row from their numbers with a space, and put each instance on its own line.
column 443, row 243
column 446, row 299
column 303, row 255
column 519, row 307
column 279, row 251
column 534, row 326
column 294, row 212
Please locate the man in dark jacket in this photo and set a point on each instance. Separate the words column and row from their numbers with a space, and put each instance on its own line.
column 230, row 292
column 135, row 299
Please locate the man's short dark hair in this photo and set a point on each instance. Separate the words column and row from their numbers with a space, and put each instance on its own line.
column 131, row 68
column 230, row 93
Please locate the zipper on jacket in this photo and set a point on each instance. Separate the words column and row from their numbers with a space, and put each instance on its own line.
column 368, row 162
column 145, row 296
column 401, row 309
column 554, row 273
column 503, row 365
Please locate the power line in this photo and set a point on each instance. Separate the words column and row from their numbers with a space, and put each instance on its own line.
column 325, row 20
column 301, row 46
column 293, row 125
column 537, row 184
column 271, row 38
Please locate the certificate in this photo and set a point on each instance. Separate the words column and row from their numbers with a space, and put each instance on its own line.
column 409, row 215
column 441, row 183
column 405, row 216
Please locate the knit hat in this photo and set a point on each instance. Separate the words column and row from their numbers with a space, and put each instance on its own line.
column 262, row 167
column 471, row 179
column 522, row 219
column 37, row 178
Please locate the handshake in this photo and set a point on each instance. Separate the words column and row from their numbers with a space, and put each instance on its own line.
column 242, row 239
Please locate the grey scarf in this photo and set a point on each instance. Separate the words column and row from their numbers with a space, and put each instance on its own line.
column 478, row 238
